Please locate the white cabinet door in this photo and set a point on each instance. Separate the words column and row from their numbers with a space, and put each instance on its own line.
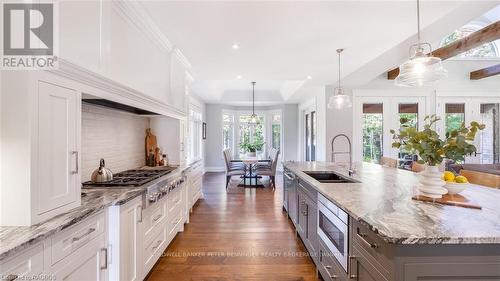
column 57, row 165
column 125, row 238
column 129, row 244
column 89, row 263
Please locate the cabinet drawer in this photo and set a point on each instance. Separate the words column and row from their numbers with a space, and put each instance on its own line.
column 380, row 253
column 328, row 266
column 155, row 216
column 364, row 267
column 27, row 263
column 154, row 248
column 308, row 190
column 71, row 239
column 175, row 219
column 174, row 199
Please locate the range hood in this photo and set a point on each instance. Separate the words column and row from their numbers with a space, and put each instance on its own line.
column 118, row 106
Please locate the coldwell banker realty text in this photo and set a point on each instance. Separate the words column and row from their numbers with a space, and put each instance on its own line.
column 29, row 36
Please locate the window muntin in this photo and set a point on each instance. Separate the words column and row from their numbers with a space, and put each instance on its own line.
column 228, row 131
column 276, row 131
column 251, row 133
column 490, row 136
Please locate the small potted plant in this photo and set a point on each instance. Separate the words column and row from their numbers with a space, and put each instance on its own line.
column 432, row 150
column 251, row 148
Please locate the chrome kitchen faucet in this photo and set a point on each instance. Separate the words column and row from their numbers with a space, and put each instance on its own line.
column 351, row 170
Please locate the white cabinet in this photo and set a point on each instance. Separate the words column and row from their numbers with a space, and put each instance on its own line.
column 88, row 263
column 126, row 237
column 58, row 176
column 43, row 120
column 195, row 182
column 80, row 33
column 26, row 264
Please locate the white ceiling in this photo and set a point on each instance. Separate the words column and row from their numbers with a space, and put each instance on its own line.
column 281, row 43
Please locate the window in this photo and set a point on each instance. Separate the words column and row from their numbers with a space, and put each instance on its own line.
column 276, row 131
column 228, row 131
column 195, row 134
column 410, row 112
column 454, row 116
column 487, row 50
column 490, row 136
column 372, row 132
column 250, row 133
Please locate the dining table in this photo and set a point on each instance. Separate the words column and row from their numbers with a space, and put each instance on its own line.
column 250, row 162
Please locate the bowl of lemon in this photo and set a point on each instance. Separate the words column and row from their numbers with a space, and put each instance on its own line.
column 455, row 184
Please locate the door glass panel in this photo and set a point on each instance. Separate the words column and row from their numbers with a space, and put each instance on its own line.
column 490, row 136
column 410, row 112
column 454, row 115
column 313, row 136
column 372, row 132
column 335, row 235
column 308, row 138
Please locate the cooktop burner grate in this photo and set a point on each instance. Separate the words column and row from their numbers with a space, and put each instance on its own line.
column 136, row 177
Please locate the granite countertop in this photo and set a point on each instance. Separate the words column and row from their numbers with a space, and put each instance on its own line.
column 382, row 202
column 16, row 238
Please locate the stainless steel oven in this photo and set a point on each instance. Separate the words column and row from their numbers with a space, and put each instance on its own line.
column 333, row 230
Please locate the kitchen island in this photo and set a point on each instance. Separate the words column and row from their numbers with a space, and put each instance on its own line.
column 388, row 235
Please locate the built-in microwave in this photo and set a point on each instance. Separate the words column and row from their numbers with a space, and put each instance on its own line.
column 333, row 230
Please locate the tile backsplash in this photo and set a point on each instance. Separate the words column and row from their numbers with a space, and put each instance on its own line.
column 116, row 136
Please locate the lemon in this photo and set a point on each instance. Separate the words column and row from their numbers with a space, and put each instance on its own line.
column 461, row 179
column 449, row 176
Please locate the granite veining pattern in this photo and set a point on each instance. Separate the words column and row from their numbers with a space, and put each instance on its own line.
column 16, row 238
column 382, row 202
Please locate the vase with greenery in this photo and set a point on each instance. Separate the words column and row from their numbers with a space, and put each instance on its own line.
column 432, row 150
column 251, row 148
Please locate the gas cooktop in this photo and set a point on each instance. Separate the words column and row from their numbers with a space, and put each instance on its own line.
column 135, row 177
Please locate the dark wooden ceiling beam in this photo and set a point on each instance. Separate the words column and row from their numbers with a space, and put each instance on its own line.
column 485, row 72
column 485, row 35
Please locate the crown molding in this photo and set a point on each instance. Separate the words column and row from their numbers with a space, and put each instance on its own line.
column 109, row 89
column 135, row 13
column 180, row 56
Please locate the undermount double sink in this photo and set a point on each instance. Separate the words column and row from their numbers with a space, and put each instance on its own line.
column 329, row 177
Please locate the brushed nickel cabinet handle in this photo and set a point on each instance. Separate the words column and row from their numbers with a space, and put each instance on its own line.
column 140, row 213
column 350, row 273
column 83, row 235
column 158, row 243
column 362, row 236
column 105, row 250
column 155, row 219
column 12, row 277
column 76, row 171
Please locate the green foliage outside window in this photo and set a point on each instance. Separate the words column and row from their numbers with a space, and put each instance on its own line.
column 372, row 137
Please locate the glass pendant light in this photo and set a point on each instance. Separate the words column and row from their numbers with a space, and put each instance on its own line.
column 340, row 99
column 254, row 120
column 422, row 69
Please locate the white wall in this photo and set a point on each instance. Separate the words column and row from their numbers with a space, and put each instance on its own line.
column 214, row 160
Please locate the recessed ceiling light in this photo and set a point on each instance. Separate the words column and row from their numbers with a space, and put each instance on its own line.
column 309, row 77
column 236, row 46
column 238, row 77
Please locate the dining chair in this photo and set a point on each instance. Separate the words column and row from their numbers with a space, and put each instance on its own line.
column 232, row 170
column 480, row 178
column 233, row 163
column 270, row 171
column 388, row 162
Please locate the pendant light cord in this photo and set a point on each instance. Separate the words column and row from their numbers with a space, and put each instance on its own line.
column 418, row 21
column 253, row 98
column 338, row 52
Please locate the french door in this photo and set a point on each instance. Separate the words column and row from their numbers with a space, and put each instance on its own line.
column 484, row 110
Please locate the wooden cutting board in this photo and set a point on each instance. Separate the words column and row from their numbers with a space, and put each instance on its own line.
column 451, row 200
column 150, row 142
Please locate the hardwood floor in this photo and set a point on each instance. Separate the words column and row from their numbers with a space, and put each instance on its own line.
column 239, row 235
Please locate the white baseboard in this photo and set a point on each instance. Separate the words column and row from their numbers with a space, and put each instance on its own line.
column 214, row 169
